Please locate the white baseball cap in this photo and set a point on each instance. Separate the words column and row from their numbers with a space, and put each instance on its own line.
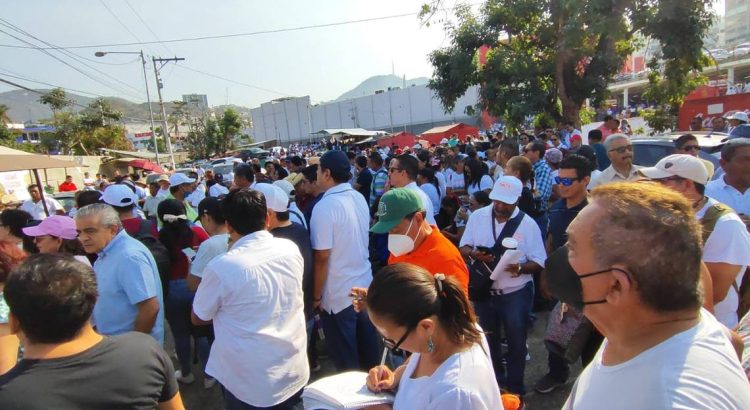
column 119, row 195
column 680, row 165
column 276, row 199
column 739, row 115
column 179, row 178
column 285, row 186
column 507, row 189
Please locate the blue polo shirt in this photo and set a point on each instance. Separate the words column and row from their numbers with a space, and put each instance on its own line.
column 560, row 216
column 126, row 274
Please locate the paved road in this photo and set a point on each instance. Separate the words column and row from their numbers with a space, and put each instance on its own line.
column 196, row 397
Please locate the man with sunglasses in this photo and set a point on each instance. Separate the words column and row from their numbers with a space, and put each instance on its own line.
column 620, row 153
column 688, row 144
column 726, row 248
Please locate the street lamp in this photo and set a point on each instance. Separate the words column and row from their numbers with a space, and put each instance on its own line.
column 148, row 96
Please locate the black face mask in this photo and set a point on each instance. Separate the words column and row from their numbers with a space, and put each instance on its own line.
column 563, row 281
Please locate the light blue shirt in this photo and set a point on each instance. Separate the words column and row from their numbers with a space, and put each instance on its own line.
column 126, row 274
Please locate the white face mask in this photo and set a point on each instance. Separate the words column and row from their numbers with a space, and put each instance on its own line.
column 401, row 244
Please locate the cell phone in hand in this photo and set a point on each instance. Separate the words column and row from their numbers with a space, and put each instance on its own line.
column 189, row 252
column 484, row 249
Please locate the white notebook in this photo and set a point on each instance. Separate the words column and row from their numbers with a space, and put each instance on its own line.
column 344, row 391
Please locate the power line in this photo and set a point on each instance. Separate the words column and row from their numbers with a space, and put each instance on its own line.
column 252, row 33
column 8, row 73
column 118, row 20
column 127, row 2
column 233, row 81
column 70, row 55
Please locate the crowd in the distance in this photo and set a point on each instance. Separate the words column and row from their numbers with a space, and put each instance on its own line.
column 446, row 255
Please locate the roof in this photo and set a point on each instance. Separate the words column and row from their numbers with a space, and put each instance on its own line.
column 135, row 154
column 15, row 160
column 443, row 128
column 354, row 132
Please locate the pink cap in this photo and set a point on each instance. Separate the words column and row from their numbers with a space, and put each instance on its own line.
column 56, row 225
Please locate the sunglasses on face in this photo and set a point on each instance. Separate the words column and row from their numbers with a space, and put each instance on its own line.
column 621, row 150
column 566, row 181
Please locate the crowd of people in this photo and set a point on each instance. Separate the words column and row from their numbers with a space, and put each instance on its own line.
column 446, row 255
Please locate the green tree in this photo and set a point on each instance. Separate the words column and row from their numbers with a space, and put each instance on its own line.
column 4, row 118
column 56, row 99
column 549, row 56
column 230, row 124
column 99, row 113
column 202, row 141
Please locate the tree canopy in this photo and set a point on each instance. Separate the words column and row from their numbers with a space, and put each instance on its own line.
column 549, row 56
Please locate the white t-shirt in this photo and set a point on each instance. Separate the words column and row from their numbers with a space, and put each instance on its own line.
column 36, row 209
column 432, row 193
column 464, row 381
column 217, row 190
column 441, row 184
column 197, row 196
column 484, row 183
column 729, row 195
column 253, row 294
column 728, row 243
column 207, row 251
column 595, row 173
column 426, row 202
column 499, row 172
column 695, row 369
column 340, row 222
column 478, row 232
column 151, row 204
column 454, row 180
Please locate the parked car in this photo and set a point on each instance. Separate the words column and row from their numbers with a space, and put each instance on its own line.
column 741, row 51
column 226, row 160
column 719, row 54
column 647, row 151
column 66, row 199
column 226, row 170
column 253, row 152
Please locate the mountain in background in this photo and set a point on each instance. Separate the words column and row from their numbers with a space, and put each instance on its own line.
column 380, row 82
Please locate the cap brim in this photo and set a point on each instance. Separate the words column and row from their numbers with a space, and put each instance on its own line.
column 34, row 231
column 503, row 198
column 654, row 173
column 384, row 226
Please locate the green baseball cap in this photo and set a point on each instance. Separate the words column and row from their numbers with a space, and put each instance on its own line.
column 393, row 207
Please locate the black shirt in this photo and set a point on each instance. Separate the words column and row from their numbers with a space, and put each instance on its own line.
column 128, row 371
column 299, row 235
column 560, row 216
column 309, row 207
column 364, row 179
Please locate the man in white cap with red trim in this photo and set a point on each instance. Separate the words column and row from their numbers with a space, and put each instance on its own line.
column 726, row 242
column 180, row 186
column 509, row 301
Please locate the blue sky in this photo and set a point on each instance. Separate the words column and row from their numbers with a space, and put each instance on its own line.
column 321, row 62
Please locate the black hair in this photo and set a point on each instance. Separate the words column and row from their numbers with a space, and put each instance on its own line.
column 361, row 161
column 595, row 135
column 408, row 164
column 476, row 170
column 280, row 171
column 429, row 174
column 423, row 155
column 32, row 186
column 539, row 147
column 310, row 172
column 587, row 152
column 68, row 176
column 731, row 147
column 245, row 211
column 245, row 171
column 608, row 117
column 16, row 220
column 211, row 206
column 52, row 296
column 581, row 164
column 509, row 148
column 297, row 161
column 376, row 159
column 282, row 216
column 351, row 155
column 482, row 198
column 85, row 198
column 683, row 139
column 176, row 235
column 405, row 294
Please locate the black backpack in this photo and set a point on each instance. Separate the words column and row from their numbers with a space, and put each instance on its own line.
column 158, row 251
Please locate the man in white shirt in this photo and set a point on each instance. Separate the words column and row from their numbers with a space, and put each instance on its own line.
column 402, row 172
column 218, row 189
column 163, row 182
column 620, row 153
column 661, row 350
column 35, row 207
column 512, row 294
column 339, row 233
column 726, row 249
column 733, row 188
column 88, row 182
column 253, row 295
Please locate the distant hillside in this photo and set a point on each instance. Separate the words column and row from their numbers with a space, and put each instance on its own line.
column 380, row 82
column 24, row 106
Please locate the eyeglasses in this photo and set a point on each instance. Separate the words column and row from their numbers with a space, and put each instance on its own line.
column 621, row 150
column 691, row 148
column 394, row 169
column 566, row 181
column 390, row 344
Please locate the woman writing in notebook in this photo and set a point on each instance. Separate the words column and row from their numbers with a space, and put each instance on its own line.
column 431, row 317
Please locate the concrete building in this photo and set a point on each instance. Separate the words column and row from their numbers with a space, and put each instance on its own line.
column 736, row 22
column 412, row 109
column 197, row 104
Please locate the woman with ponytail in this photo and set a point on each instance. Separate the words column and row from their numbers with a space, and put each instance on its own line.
column 178, row 234
column 431, row 317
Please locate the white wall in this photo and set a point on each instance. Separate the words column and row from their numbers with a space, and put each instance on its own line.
column 414, row 109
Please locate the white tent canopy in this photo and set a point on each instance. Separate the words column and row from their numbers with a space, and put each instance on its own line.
column 349, row 132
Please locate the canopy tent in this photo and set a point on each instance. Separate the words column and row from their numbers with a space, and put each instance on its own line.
column 435, row 135
column 401, row 139
column 15, row 160
column 346, row 133
column 146, row 165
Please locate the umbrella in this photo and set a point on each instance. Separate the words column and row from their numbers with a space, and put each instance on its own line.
column 15, row 160
column 145, row 164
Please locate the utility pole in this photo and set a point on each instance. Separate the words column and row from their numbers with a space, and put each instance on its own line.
column 159, row 85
